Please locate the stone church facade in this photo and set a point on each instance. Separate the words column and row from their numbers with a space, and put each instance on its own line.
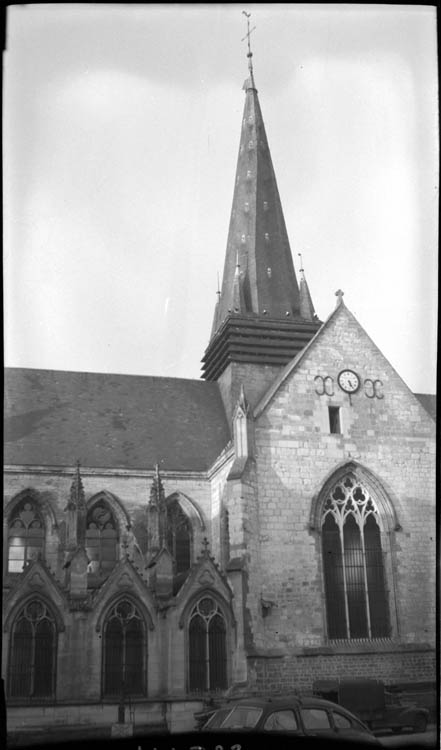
column 170, row 540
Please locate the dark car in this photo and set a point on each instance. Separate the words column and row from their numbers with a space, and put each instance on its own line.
column 304, row 717
column 379, row 708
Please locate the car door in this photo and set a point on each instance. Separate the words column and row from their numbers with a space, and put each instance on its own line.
column 317, row 722
column 348, row 728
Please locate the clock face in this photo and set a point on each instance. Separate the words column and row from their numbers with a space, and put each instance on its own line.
column 348, row 381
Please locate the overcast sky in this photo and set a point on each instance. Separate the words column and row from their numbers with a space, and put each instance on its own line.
column 121, row 135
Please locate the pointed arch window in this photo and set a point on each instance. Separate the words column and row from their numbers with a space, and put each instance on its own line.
column 26, row 535
column 179, row 537
column 124, row 651
column 356, row 596
column 32, row 658
column 101, row 539
column 207, row 639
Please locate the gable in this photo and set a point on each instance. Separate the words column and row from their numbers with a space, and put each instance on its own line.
column 340, row 344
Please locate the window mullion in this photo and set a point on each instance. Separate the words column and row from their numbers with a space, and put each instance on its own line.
column 123, row 671
column 32, row 664
column 366, row 592
column 340, row 528
column 207, row 654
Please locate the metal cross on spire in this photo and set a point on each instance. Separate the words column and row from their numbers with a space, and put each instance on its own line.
column 247, row 36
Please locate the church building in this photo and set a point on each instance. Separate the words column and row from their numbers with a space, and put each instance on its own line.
column 168, row 540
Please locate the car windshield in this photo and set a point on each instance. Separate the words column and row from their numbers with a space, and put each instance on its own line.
column 215, row 721
column 242, row 717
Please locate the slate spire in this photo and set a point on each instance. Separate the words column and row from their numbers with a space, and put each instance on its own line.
column 260, row 317
column 257, row 238
column 306, row 306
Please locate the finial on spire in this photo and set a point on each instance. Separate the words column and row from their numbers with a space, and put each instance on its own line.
column 218, row 287
column 339, row 294
column 77, row 497
column 301, row 269
column 249, row 53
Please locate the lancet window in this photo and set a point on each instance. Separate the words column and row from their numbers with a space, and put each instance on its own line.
column 25, row 535
column 207, row 639
column 32, row 658
column 179, row 536
column 101, row 539
column 124, row 651
column 356, row 598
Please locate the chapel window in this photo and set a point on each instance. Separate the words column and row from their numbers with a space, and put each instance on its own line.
column 207, row 639
column 179, row 542
column 25, row 535
column 124, row 651
column 32, row 660
column 356, row 600
column 101, row 539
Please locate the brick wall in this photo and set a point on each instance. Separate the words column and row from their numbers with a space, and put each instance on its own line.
column 299, row 673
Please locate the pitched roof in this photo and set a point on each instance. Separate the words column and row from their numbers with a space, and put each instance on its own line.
column 115, row 421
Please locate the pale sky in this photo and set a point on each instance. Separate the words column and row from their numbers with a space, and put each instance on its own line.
column 121, row 135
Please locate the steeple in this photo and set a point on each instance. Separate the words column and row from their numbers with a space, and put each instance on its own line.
column 306, row 307
column 259, row 285
column 76, row 512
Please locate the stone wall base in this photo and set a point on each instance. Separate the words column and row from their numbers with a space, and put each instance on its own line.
column 34, row 724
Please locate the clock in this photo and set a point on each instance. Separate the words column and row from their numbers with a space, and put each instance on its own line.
column 348, row 381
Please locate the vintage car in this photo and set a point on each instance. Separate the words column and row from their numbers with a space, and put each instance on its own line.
column 377, row 707
column 293, row 716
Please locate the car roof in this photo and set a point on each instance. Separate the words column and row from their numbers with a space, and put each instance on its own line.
column 309, row 701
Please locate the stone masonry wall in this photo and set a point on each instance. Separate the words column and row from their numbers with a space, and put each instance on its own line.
column 393, row 437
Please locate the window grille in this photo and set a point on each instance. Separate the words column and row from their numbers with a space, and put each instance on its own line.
column 32, row 653
column 356, row 600
column 207, row 647
column 125, row 652
column 25, row 536
column 101, row 539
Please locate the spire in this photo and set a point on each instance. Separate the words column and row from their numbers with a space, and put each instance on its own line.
column 306, row 307
column 156, row 513
column 77, row 498
column 76, row 512
column 259, row 286
column 257, row 233
column 216, row 311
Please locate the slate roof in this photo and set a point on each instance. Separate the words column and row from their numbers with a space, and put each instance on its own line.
column 257, row 238
column 112, row 421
